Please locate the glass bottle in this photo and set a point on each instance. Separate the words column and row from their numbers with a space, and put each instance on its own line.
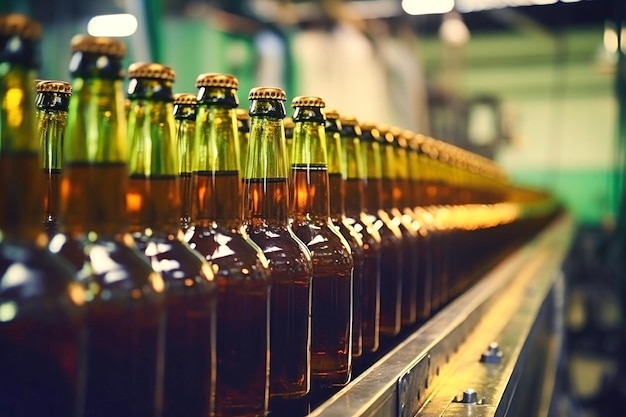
column 125, row 295
column 52, row 104
column 391, row 236
column 266, row 207
column 185, row 119
column 153, row 201
column 288, row 122
column 356, row 217
column 243, row 129
column 415, row 204
column 241, row 269
column 331, row 311
column 41, row 306
column 394, row 195
column 337, row 175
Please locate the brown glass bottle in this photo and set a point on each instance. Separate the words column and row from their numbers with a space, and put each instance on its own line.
column 125, row 304
column 185, row 117
column 266, row 208
column 354, row 204
column 153, row 200
column 52, row 104
column 331, row 312
column 394, row 196
column 415, row 203
column 337, row 175
column 241, row 270
column 390, row 233
column 42, row 305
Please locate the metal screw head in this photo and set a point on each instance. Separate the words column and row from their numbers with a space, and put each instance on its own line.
column 493, row 354
column 470, row 396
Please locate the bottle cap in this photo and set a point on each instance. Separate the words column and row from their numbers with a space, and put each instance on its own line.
column 98, row 45
column 213, row 79
column 307, row 101
column 272, row 93
column 53, row 86
column 151, row 70
column 242, row 114
column 348, row 120
column 332, row 114
column 185, row 98
column 288, row 122
column 20, row 25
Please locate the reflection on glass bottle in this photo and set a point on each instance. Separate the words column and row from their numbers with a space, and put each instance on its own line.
column 355, row 216
column 185, row 116
column 153, row 201
column 331, row 311
column 41, row 306
column 125, row 295
column 337, row 175
column 52, row 104
column 266, row 207
column 243, row 130
column 241, row 270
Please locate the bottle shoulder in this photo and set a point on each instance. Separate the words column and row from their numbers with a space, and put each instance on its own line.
column 325, row 242
column 351, row 236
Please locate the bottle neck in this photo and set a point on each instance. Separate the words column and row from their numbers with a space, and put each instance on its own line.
column 401, row 195
column 373, row 173
column 309, row 172
column 21, row 210
column 388, row 175
column 153, row 197
column 95, row 176
column 216, row 167
column 266, row 195
column 336, row 175
column 414, row 165
column 355, row 175
column 185, row 133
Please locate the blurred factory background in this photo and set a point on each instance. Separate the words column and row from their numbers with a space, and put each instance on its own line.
column 533, row 84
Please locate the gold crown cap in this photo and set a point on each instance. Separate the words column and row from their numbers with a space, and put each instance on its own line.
column 151, row 70
column 216, row 79
column 54, row 86
column 20, row 25
column 98, row 45
column 185, row 98
column 242, row 114
column 307, row 101
column 348, row 120
column 288, row 122
column 272, row 93
column 332, row 114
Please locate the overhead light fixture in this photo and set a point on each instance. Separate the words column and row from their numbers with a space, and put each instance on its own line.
column 112, row 25
column 422, row 7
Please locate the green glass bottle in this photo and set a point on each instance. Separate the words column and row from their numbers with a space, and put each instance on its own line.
column 241, row 269
column 154, row 209
column 42, row 307
column 266, row 207
column 331, row 311
column 337, row 175
column 52, row 104
column 243, row 129
column 125, row 295
column 390, row 233
column 394, row 196
column 288, row 122
column 355, row 216
column 185, row 117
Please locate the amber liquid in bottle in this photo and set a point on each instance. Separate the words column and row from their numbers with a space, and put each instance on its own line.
column 344, row 226
column 242, row 306
column 124, row 316
column 331, row 317
column 41, row 330
column 291, row 289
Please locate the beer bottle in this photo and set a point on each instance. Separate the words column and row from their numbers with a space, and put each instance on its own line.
column 153, row 201
column 394, row 196
column 288, row 122
column 415, row 203
column 355, row 216
column 241, row 269
column 331, row 312
column 243, row 129
column 185, row 119
column 124, row 312
column 42, row 305
column 337, row 175
column 266, row 208
column 52, row 104
column 391, row 236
